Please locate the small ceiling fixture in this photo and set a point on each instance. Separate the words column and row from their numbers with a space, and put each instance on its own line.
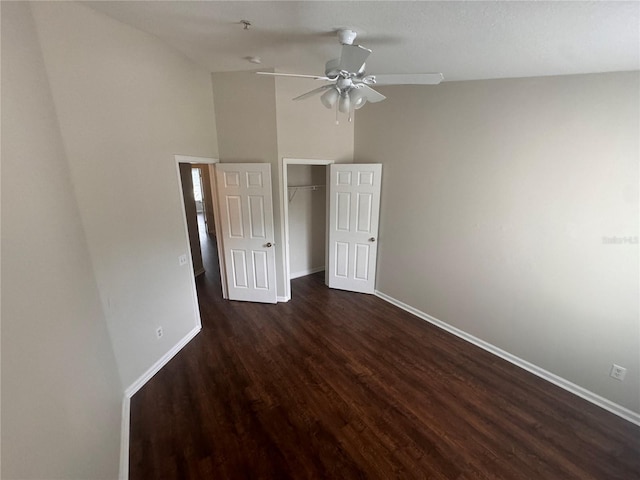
column 350, row 88
column 246, row 24
column 253, row 59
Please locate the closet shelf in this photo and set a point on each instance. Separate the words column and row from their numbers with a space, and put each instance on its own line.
column 293, row 189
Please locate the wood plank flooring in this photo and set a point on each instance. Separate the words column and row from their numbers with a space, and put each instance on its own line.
column 342, row 385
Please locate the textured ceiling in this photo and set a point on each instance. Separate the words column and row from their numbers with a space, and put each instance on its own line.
column 463, row 40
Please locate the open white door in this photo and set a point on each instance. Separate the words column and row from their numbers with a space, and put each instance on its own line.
column 246, row 218
column 354, row 207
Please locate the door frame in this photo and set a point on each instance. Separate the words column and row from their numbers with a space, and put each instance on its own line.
column 216, row 215
column 284, row 214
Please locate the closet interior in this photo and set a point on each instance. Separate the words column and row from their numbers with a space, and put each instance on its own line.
column 306, row 191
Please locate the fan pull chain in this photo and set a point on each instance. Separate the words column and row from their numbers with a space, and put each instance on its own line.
column 337, row 122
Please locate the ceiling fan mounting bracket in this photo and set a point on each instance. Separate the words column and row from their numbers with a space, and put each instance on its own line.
column 347, row 36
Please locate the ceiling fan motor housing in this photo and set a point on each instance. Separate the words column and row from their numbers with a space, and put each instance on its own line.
column 344, row 83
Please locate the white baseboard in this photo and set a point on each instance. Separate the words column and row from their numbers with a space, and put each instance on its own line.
column 588, row 395
column 304, row 273
column 155, row 368
column 282, row 299
column 137, row 385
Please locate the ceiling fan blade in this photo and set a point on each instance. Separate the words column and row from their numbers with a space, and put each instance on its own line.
column 314, row 92
column 370, row 94
column 315, row 77
column 409, row 79
column 353, row 58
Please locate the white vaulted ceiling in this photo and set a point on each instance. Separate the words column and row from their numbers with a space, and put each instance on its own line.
column 463, row 40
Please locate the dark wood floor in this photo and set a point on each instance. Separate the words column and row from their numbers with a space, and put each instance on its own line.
column 340, row 385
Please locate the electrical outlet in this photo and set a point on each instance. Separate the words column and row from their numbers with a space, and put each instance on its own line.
column 159, row 332
column 618, row 372
column 182, row 260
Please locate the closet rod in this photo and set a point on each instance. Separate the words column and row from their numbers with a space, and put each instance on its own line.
column 293, row 189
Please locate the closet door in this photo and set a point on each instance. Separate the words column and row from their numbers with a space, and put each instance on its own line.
column 354, row 208
column 246, row 217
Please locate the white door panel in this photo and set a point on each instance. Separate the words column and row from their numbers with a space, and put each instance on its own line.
column 354, row 207
column 246, row 211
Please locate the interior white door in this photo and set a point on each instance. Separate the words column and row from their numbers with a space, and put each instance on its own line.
column 354, row 208
column 246, row 217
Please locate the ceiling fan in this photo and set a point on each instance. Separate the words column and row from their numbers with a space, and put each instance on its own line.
column 350, row 88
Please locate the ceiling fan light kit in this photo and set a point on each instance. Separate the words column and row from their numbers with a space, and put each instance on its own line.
column 350, row 89
column 344, row 104
column 330, row 97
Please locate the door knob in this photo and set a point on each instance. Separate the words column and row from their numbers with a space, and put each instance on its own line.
column 372, row 239
column 268, row 245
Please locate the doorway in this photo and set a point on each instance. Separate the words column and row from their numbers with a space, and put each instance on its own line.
column 304, row 217
column 197, row 189
column 203, row 198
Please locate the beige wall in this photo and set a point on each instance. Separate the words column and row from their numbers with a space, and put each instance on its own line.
column 126, row 105
column 306, row 129
column 245, row 117
column 61, row 394
column 496, row 198
column 307, row 220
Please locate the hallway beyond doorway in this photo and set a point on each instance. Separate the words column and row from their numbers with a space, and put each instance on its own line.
column 208, row 284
